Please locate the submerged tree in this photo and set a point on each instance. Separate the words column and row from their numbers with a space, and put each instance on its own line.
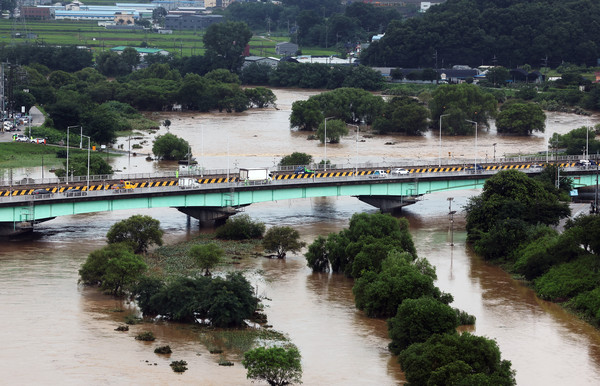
column 275, row 365
column 281, row 240
column 139, row 231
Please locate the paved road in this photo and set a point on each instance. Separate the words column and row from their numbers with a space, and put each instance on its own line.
column 37, row 118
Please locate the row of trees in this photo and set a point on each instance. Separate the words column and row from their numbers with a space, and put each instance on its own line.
column 458, row 104
column 391, row 282
column 461, row 32
column 312, row 75
column 103, row 107
column 511, row 223
column 325, row 23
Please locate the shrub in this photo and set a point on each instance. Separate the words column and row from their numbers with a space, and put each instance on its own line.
column 569, row 279
column 240, row 227
column 179, row 366
column 146, row 336
column 163, row 350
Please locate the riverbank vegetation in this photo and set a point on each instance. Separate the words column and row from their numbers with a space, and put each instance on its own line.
column 392, row 282
column 512, row 223
column 190, row 282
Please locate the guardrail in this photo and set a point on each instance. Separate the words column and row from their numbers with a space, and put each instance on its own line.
column 78, row 180
column 241, row 184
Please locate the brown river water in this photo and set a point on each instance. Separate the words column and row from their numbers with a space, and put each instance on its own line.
column 55, row 331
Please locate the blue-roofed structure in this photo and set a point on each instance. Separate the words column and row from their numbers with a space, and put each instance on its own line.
column 91, row 15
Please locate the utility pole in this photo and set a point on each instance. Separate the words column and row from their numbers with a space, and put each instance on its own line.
column 451, row 217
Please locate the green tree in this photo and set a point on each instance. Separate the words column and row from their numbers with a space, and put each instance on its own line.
column 206, row 256
column 225, row 42
column 511, row 194
column 317, row 255
column 462, row 102
column 335, row 130
column 240, row 227
column 101, row 123
column 417, row 320
column 131, row 57
column 402, row 115
column 138, row 230
column 296, row 158
column 456, row 359
column 114, row 267
column 306, row 115
column 170, row 147
column 498, row 76
column 78, row 166
column 521, row 119
column 122, row 272
column 277, row 366
column 282, row 239
column 380, row 293
column 260, row 97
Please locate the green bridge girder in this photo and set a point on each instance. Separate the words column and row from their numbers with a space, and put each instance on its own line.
column 235, row 195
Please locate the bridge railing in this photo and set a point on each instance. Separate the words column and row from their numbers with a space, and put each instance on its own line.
column 424, row 163
column 240, row 184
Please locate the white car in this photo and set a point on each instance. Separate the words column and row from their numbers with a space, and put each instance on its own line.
column 399, row 172
column 378, row 174
column 21, row 138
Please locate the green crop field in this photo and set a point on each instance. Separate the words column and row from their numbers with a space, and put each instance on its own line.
column 89, row 34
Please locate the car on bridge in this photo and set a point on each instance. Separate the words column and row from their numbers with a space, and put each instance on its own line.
column 378, row 174
column 38, row 192
column 399, row 172
column 303, row 170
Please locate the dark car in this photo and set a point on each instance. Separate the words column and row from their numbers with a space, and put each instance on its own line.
column 303, row 170
column 40, row 191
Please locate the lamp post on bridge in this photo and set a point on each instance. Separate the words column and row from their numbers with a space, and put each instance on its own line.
column 325, row 142
column 475, row 142
column 68, row 128
column 88, row 161
column 357, row 130
column 440, row 154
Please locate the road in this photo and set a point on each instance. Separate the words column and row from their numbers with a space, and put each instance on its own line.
column 37, row 118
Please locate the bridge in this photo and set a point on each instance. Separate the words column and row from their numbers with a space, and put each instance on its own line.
column 221, row 196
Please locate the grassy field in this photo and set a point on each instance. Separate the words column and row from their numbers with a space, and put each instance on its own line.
column 88, row 33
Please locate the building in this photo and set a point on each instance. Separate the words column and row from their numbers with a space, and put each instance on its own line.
column 286, row 48
column 142, row 51
column 191, row 22
column 39, row 13
column 248, row 60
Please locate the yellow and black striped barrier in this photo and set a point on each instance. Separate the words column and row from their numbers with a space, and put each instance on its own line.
column 220, row 180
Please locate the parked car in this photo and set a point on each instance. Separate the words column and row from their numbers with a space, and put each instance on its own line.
column 399, row 172
column 38, row 140
column 20, row 138
column 378, row 174
column 536, row 168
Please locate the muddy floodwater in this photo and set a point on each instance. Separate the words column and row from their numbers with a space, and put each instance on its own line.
column 55, row 331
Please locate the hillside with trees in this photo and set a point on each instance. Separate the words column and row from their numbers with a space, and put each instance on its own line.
column 508, row 33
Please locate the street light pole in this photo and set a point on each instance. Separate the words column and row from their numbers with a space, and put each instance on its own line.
column 495, row 152
column 357, row 130
column 440, row 154
column 475, row 142
column 325, row 142
column 68, row 128
column 88, row 163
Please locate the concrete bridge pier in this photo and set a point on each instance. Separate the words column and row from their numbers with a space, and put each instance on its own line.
column 388, row 204
column 209, row 214
column 9, row 229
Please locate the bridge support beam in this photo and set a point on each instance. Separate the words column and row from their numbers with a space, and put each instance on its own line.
column 388, row 204
column 206, row 214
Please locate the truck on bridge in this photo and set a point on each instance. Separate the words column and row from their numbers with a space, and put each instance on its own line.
column 255, row 175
